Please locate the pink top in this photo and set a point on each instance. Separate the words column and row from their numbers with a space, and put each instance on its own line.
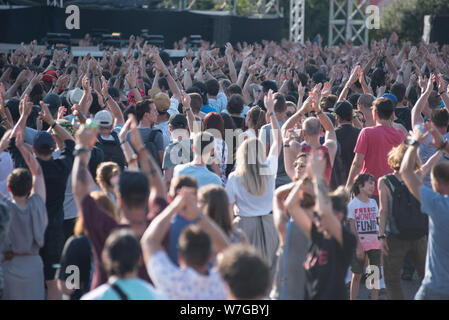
column 375, row 143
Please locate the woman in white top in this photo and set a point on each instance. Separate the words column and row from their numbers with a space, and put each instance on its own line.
column 254, row 120
column 251, row 187
column 214, row 124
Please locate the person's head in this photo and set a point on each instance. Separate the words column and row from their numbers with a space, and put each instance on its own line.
column 179, row 182
column 440, row 118
column 365, row 101
column 105, row 202
column 211, row 199
column 279, row 104
column 255, row 118
column 224, row 84
column 344, row 111
column 364, row 183
column 212, row 87
column 43, row 144
column 233, row 89
column 121, row 253
column 250, row 166
column 236, row 104
column 392, row 97
column 194, row 248
column 196, row 102
column 108, row 174
column 318, row 77
column 398, row 89
column 203, row 145
column 177, row 121
column 300, row 165
column 134, row 190
column 383, row 109
column 162, row 103
column 228, row 122
column 255, row 91
column 53, row 101
column 339, row 199
column 146, row 111
column 328, row 102
column 267, row 85
column 20, row 183
column 163, row 84
column 434, row 100
column 213, row 122
column 245, row 272
column 396, row 155
column 439, row 178
column 105, row 122
column 311, row 128
column 290, row 109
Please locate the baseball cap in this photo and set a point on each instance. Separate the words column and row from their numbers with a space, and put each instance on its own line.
column 43, row 139
column 74, row 96
column 392, row 97
column 153, row 92
column 162, row 102
column 113, row 92
column 344, row 110
column 104, row 118
column 49, row 76
column 53, row 101
column 178, row 121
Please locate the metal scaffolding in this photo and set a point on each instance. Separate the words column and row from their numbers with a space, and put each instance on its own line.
column 347, row 21
column 297, row 8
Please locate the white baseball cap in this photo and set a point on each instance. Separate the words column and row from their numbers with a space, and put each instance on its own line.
column 104, row 118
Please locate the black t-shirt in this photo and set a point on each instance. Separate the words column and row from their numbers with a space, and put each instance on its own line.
column 404, row 117
column 77, row 252
column 347, row 136
column 56, row 172
column 326, row 266
column 239, row 122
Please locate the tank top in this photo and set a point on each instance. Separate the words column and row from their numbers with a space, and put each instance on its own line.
column 328, row 170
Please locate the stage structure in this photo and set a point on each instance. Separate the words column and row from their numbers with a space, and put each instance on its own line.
column 346, row 21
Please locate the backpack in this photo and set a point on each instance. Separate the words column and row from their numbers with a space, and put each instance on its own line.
column 112, row 150
column 151, row 146
column 406, row 221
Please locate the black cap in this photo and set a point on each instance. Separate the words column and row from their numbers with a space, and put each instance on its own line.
column 344, row 110
column 178, row 121
column 53, row 101
column 43, row 139
column 113, row 92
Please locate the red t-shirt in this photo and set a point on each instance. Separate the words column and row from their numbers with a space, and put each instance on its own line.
column 375, row 143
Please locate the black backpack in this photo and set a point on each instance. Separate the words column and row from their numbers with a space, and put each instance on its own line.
column 151, row 146
column 405, row 219
column 112, row 150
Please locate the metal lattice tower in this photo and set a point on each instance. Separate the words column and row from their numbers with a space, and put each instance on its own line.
column 347, row 21
column 297, row 20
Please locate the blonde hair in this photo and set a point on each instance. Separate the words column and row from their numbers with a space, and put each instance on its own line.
column 250, row 160
column 396, row 155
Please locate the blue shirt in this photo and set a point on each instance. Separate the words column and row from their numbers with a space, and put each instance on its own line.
column 202, row 175
column 436, row 206
column 206, row 109
column 178, row 224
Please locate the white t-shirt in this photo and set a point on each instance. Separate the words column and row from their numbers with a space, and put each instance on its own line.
column 184, row 283
column 6, row 167
column 246, row 204
column 365, row 220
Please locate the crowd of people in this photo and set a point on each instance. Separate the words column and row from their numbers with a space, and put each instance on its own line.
column 264, row 171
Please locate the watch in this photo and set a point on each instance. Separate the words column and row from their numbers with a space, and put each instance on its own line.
column 412, row 142
column 381, row 237
column 443, row 144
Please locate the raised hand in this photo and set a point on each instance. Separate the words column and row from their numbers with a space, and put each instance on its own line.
column 104, row 87
column 229, row 49
column 269, row 101
column 45, row 113
column 86, row 136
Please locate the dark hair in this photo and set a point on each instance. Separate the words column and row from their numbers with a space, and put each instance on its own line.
column 384, row 108
column 353, row 98
column 130, row 110
column 235, row 104
column 121, row 252
column 257, row 118
column 228, row 121
column 165, row 57
column 163, row 83
column 267, row 85
column 245, row 271
column 214, row 197
column 311, row 69
column 212, row 87
column 360, row 182
column 339, row 199
column 279, row 105
column 95, row 106
column 20, row 182
column 201, row 141
column 134, row 189
column 319, row 77
column 195, row 246
column 303, row 78
column 234, row 89
column 440, row 118
column 200, row 85
column 441, row 172
column 398, row 89
column 328, row 102
column 142, row 107
column 182, row 181
column 196, row 102
column 377, row 79
column 214, row 120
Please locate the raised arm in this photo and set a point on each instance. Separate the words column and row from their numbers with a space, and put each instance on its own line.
column 422, row 101
column 232, row 72
column 300, row 218
column 113, row 106
column 275, row 148
column 352, row 79
column 48, row 118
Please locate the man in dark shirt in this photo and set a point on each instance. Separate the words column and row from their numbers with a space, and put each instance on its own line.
column 402, row 111
column 346, row 134
column 136, row 189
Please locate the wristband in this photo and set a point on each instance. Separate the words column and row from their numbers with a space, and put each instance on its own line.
column 77, row 151
column 381, row 237
column 106, row 100
column 53, row 125
column 187, row 109
column 286, row 146
column 272, row 113
column 319, row 112
column 200, row 216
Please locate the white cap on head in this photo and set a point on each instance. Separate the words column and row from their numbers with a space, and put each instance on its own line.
column 104, row 118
